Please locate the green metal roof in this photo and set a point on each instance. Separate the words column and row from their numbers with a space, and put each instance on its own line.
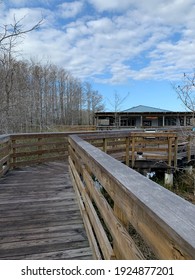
column 145, row 109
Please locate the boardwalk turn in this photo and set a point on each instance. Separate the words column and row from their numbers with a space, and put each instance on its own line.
column 39, row 216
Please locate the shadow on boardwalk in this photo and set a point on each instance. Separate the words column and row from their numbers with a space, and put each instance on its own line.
column 40, row 218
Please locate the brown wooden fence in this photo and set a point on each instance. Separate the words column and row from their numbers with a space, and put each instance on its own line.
column 127, row 145
column 5, row 151
column 163, row 220
column 31, row 148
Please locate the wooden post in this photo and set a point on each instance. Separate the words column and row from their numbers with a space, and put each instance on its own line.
column 169, row 151
column 175, row 151
column 13, row 153
column 39, row 149
column 169, row 180
column 159, row 217
column 189, row 148
column 105, row 140
column 133, row 152
column 127, row 151
column 9, row 147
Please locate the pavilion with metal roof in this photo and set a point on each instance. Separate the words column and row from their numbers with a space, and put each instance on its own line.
column 144, row 116
column 143, row 109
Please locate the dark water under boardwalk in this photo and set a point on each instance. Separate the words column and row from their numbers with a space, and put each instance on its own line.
column 39, row 215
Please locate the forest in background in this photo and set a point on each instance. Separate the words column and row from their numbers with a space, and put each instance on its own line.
column 36, row 97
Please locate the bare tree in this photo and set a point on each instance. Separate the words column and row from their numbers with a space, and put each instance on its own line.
column 93, row 102
column 10, row 32
column 35, row 96
column 97, row 104
column 186, row 91
column 116, row 104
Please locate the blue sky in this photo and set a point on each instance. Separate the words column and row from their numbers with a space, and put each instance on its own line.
column 129, row 47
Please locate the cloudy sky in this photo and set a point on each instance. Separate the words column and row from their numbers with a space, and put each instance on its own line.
column 133, row 47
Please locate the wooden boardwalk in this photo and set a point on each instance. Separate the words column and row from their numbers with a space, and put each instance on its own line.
column 39, row 215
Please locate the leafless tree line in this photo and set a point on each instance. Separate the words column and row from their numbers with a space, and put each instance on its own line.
column 35, row 97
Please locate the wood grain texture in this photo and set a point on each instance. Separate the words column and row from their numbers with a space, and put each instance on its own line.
column 164, row 220
column 39, row 216
column 88, row 207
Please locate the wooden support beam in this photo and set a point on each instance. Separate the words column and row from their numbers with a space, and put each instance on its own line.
column 175, row 152
column 189, row 148
column 127, row 151
column 133, row 152
column 170, row 151
column 105, row 141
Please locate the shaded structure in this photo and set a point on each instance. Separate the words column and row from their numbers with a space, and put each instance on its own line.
column 143, row 116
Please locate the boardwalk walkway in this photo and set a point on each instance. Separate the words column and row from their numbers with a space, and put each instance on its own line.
column 39, row 217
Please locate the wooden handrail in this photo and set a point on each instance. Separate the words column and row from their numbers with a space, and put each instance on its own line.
column 165, row 221
column 30, row 148
column 125, row 145
column 5, row 152
column 23, row 149
column 38, row 147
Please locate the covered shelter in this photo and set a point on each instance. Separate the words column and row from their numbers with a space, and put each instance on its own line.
column 143, row 116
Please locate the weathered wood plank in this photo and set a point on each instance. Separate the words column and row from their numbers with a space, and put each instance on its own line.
column 36, row 161
column 104, row 243
column 27, row 227
column 8, row 235
column 154, row 134
column 40, row 218
column 84, row 253
column 63, row 142
column 163, row 219
column 23, row 252
column 40, row 152
column 120, row 235
column 89, row 230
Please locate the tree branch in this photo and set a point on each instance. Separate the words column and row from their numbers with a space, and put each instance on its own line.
column 16, row 30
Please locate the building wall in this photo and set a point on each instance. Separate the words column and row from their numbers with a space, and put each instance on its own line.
column 144, row 120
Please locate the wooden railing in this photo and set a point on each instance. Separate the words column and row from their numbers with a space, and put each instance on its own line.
column 127, row 146
column 68, row 128
column 5, row 151
column 31, row 148
column 24, row 149
column 38, row 147
column 163, row 220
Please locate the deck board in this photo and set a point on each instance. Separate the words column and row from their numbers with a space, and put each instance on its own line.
column 39, row 215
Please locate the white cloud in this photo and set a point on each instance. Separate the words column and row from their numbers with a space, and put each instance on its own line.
column 27, row 16
column 93, row 47
column 117, row 5
column 70, row 9
column 102, row 25
column 138, row 43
